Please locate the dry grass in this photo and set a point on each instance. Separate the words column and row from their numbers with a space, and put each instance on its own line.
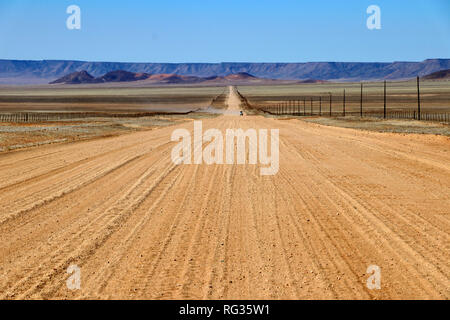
column 83, row 98
column 379, row 125
column 15, row 136
column 435, row 95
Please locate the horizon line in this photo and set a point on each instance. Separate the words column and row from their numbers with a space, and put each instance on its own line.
column 222, row 62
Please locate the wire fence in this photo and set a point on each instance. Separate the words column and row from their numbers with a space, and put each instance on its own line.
column 24, row 117
column 403, row 114
column 362, row 105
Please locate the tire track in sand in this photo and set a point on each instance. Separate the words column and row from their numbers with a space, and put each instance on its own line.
column 141, row 227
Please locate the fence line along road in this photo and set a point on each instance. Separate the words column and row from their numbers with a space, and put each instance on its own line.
column 22, row 117
column 338, row 107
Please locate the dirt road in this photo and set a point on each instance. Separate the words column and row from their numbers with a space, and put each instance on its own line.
column 139, row 226
column 233, row 100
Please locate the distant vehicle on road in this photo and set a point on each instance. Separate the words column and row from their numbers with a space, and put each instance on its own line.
column 241, row 113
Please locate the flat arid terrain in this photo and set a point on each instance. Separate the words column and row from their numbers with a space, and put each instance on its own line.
column 400, row 95
column 91, row 98
column 139, row 226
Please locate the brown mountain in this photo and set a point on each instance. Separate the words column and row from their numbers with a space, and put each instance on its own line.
column 83, row 76
column 122, row 76
column 172, row 78
column 439, row 75
column 126, row 76
column 240, row 76
column 76, row 78
column 164, row 78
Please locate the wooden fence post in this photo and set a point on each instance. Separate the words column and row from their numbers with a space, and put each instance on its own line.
column 304, row 106
column 320, row 106
column 361, row 102
column 384, row 108
column 330, row 102
column 418, row 99
column 344, row 104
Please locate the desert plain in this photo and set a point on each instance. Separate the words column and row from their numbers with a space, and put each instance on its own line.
column 111, row 201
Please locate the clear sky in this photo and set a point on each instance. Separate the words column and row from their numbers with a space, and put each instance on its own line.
column 225, row 31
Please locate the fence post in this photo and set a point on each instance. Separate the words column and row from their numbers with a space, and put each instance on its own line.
column 418, row 99
column 384, row 108
column 344, row 104
column 320, row 106
column 361, row 102
column 304, row 106
column 330, row 103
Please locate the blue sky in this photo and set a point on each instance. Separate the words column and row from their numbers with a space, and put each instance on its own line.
column 225, row 31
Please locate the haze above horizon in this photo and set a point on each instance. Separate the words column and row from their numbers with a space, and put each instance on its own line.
column 225, row 31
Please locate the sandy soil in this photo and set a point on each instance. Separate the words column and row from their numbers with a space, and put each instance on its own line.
column 139, row 226
column 14, row 136
column 380, row 125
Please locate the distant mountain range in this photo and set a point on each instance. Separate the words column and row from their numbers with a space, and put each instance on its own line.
column 81, row 77
column 113, row 76
column 44, row 71
column 438, row 75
